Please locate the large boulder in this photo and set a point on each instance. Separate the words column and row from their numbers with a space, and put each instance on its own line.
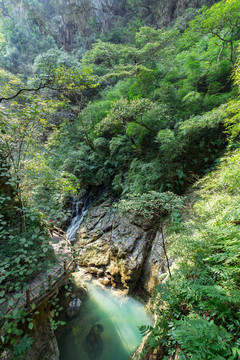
column 94, row 343
column 112, row 247
column 73, row 309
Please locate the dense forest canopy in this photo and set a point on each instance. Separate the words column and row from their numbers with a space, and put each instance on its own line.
column 139, row 111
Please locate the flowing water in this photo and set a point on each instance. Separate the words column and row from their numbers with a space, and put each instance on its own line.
column 80, row 209
column 106, row 329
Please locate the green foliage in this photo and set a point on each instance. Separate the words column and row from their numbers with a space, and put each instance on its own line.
column 53, row 188
column 143, row 176
column 197, row 310
column 222, row 21
column 146, row 88
column 94, row 112
column 123, row 112
column 53, row 58
column 23, row 345
column 1, row 37
column 9, row 83
column 66, row 79
column 107, row 55
column 232, row 113
column 23, row 41
column 190, row 334
column 56, row 308
column 25, row 252
column 152, row 206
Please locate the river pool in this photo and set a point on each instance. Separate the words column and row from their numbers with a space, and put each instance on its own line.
column 106, row 328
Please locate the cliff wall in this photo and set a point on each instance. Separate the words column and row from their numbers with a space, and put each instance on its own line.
column 69, row 20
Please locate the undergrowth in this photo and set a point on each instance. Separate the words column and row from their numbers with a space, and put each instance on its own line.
column 198, row 314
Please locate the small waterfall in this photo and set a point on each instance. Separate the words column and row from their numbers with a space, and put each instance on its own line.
column 79, row 210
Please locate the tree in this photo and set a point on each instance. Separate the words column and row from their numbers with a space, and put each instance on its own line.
column 222, row 21
column 124, row 112
column 113, row 61
column 67, row 81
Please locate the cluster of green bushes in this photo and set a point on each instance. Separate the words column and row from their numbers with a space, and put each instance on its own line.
column 198, row 309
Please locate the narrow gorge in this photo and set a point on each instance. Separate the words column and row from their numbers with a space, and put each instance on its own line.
column 119, row 255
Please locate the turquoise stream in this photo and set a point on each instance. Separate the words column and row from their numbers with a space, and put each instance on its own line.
column 118, row 318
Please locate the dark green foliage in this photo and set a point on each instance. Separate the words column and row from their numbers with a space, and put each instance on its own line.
column 25, row 252
column 24, row 241
column 23, row 345
column 152, row 206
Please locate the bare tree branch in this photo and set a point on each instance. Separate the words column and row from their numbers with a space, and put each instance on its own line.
column 41, row 86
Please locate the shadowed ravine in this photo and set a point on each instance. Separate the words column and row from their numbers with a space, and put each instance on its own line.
column 106, row 329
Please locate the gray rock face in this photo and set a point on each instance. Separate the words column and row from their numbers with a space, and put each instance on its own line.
column 108, row 12
column 117, row 251
column 165, row 11
column 63, row 19
column 68, row 17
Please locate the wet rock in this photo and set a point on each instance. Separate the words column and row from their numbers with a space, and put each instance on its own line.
column 105, row 281
column 95, row 271
column 73, row 309
column 83, row 232
column 79, row 289
column 94, row 343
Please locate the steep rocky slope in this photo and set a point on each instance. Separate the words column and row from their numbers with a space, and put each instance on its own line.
column 79, row 22
column 105, row 12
